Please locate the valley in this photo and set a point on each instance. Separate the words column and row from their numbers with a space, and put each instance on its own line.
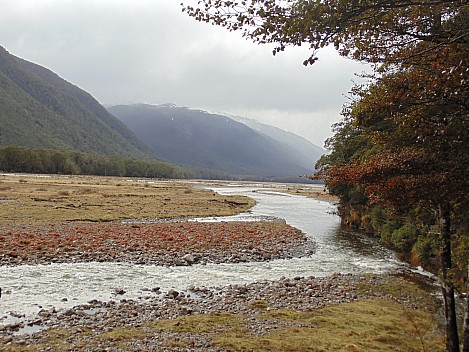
column 116, row 265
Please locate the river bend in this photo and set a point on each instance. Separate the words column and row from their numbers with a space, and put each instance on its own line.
column 29, row 288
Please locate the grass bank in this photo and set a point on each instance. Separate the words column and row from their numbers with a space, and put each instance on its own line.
column 388, row 313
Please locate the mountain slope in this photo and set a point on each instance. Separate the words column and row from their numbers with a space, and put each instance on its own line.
column 199, row 139
column 39, row 109
column 303, row 151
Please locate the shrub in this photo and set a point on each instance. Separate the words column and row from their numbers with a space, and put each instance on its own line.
column 387, row 229
column 404, row 238
column 424, row 251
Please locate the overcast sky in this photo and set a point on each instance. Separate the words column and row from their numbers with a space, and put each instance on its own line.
column 133, row 51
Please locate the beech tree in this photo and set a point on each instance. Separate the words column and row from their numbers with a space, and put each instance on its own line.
column 372, row 30
column 414, row 114
column 419, row 157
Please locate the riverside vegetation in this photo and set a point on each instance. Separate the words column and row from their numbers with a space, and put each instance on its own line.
column 336, row 313
column 398, row 160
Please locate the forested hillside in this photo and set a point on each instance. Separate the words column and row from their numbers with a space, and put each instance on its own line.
column 38, row 109
column 199, row 139
column 47, row 161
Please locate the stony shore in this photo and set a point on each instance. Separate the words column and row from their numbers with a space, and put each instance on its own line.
column 160, row 243
column 142, row 324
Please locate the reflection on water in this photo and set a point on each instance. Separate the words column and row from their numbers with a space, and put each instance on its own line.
column 318, row 219
column 28, row 288
column 358, row 243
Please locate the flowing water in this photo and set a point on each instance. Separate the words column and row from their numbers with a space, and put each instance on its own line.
column 28, row 288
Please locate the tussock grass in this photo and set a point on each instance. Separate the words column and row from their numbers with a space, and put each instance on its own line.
column 258, row 304
column 414, row 293
column 94, row 198
column 121, row 336
column 367, row 325
column 53, row 340
column 360, row 326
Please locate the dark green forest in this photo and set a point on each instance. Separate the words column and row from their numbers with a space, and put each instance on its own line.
column 47, row 161
column 38, row 109
column 52, row 161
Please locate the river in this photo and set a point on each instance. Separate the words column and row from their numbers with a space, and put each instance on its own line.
column 29, row 288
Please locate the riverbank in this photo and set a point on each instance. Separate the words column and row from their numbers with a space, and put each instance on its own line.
column 29, row 199
column 151, row 243
column 75, row 220
column 70, row 219
column 335, row 313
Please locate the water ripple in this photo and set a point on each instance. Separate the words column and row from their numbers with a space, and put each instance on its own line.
column 28, row 288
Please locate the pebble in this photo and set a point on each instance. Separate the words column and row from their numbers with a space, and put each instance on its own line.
column 246, row 299
column 259, row 248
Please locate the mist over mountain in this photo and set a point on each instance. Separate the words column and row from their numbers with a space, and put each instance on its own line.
column 303, row 151
column 200, row 139
column 38, row 109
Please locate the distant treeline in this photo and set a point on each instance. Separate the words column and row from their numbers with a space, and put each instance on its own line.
column 20, row 159
column 47, row 161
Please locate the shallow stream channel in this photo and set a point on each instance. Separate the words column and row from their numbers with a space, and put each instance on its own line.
column 26, row 289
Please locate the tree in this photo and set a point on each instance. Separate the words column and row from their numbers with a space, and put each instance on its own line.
column 372, row 30
column 420, row 158
column 418, row 122
column 349, row 143
column 414, row 115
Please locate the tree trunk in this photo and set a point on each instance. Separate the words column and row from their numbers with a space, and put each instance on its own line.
column 465, row 333
column 451, row 326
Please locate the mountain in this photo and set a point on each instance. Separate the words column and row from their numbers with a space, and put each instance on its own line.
column 303, row 151
column 38, row 109
column 199, row 139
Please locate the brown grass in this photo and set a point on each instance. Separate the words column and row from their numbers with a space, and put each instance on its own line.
column 85, row 198
column 367, row 325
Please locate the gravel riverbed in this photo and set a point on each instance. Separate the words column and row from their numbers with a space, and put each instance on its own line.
column 161, row 243
column 156, row 321
column 99, row 326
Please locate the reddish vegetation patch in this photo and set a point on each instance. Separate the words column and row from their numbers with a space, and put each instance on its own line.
column 156, row 243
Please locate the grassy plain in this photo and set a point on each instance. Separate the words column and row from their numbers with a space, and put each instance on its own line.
column 52, row 198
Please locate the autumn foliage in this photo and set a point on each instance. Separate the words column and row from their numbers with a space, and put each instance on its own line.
column 404, row 140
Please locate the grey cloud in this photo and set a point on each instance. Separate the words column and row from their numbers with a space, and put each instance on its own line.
column 148, row 51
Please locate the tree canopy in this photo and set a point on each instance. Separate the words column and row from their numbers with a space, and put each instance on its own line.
column 405, row 144
column 418, row 121
column 404, row 140
column 372, row 30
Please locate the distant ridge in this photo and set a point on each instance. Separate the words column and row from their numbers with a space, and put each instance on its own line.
column 38, row 109
column 303, row 151
column 200, row 139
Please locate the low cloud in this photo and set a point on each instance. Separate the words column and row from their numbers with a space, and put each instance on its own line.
column 149, row 51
